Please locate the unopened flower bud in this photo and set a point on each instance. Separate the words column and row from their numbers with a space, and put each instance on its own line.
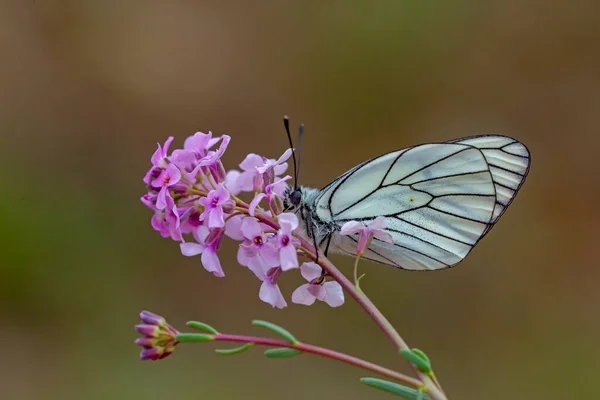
column 276, row 204
column 149, row 331
column 218, row 171
column 145, row 342
column 159, row 337
column 152, row 319
column 228, row 207
column 180, row 188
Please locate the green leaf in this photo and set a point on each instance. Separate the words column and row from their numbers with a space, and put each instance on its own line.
column 201, row 326
column 193, row 337
column 418, row 358
column 422, row 354
column 395, row 388
column 420, row 394
column 277, row 329
column 237, row 350
column 282, row 352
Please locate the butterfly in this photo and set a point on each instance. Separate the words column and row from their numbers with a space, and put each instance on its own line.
column 438, row 199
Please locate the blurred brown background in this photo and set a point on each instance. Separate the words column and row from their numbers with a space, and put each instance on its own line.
column 89, row 87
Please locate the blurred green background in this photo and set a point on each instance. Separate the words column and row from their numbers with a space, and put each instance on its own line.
column 89, row 87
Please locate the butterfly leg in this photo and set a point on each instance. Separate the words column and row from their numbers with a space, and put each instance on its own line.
column 328, row 243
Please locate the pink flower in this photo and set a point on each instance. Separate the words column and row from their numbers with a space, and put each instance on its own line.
column 208, row 244
column 213, row 206
column 196, row 153
column 374, row 230
column 159, row 158
column 286, row 243
column 167, row 221
column 330, row 292
column 260, row 171
column 269, row 290
column 276, row 188
column 167, row 178
column 199, row 143
column 212, row 157
column 159, row 161
column 256, row 253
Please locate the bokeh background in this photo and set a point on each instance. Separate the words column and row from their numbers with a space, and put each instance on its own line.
column 87, row 88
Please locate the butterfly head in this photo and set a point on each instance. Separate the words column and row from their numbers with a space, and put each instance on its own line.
column 292, row 198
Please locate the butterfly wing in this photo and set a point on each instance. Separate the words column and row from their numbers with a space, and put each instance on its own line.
column 438, row 199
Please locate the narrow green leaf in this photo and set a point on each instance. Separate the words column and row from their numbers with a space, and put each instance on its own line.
column 422, row 354
column 201, row 326
column 277, row 329
column 422, row 365
column 395, row 388
column 420, row 394
column 237, row 350
column 193, row 337
column 282, row 352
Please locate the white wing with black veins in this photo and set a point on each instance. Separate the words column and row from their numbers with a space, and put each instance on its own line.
column 439, row 199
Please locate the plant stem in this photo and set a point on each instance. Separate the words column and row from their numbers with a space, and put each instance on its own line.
column 321, row 351
column 434, row 390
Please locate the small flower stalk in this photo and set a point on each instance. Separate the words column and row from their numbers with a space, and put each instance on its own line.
column 158, row 339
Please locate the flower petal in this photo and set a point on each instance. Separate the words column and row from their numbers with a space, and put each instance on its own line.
column 334, row 294
column 288, row 257
column 280, row 169
column 198, row 142
column 211, row 263
column 270, row 293
column 351, row 227
column 222, row 193
column 191, row 249
column 254, row 203
column 270, row 254
column 250, row 228
column 174, row 174
column 161, row 199
column 231, row 181
column 215, row 218
column 251, row 162
column 302, row 296
column 278, row 187
column 245, row 182
column 233, row 227
column 377, row 224
column 363, row 242
column 288, row 222
column 384, row 236
column 286, row 154
column 310, row 270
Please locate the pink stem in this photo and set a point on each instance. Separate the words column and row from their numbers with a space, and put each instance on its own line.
column 433, row 389
column 357, row 362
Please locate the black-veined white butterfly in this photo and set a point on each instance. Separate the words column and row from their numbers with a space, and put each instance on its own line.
column 439, row 200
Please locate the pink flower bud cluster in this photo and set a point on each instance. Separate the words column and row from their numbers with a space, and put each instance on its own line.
column 158, row 339
column 195, row 203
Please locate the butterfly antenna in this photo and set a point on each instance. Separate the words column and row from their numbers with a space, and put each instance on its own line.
column 286, row 124
column 300, row 134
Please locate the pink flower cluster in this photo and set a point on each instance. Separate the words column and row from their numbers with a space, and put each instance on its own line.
column 195, row 202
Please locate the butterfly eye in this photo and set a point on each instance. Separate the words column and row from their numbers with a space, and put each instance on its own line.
column 296, row 197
